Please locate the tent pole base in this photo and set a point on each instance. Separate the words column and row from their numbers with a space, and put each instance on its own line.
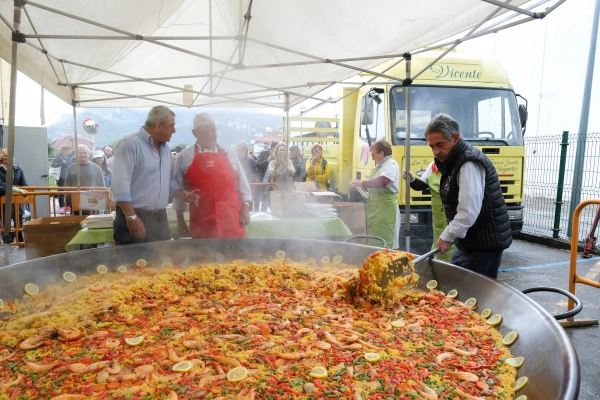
column 578, row 323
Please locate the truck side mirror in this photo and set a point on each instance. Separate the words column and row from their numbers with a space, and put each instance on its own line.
column 523, row 114
column 366, row 112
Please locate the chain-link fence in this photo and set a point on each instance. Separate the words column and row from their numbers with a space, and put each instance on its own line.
column 554, row 170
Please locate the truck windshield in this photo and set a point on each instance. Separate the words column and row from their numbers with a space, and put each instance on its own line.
column 487, row 117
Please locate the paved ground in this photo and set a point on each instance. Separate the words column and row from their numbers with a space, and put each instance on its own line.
column 528, row 265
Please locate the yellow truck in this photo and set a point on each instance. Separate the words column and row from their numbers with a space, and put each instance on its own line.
column 474, row 90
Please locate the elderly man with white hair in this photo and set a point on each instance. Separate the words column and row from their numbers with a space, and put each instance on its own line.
column 217, row 176
column 90, row 173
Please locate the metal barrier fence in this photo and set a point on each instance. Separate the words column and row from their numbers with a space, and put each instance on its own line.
column 554, row 170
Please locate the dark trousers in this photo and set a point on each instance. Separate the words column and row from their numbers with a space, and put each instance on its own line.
column 155, row 223
column 61, row 199
column 483, row 262
column 259, row 201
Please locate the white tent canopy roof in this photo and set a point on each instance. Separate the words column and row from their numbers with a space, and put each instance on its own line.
column 140, row 53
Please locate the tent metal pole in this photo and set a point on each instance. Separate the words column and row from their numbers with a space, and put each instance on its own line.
column 210, row 45
column 133, row 35
column 6, row 22
column 247, row 18
column 287, row 124
column 514, row 8
column 77, row 169
column 152, row 38
column 10, row 173
column 583, row 121
column 407, row 83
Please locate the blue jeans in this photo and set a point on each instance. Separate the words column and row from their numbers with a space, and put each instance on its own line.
column 483, row 262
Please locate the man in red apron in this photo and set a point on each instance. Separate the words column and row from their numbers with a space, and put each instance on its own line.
column 217, row 176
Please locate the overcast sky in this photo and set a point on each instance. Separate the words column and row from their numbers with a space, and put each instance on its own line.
column 545, row 60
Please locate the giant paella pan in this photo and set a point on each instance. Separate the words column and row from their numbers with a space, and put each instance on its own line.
column 551, row 364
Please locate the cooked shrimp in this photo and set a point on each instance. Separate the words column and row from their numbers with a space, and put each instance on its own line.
column 201, row 311
column 41, row 368
column 97, row 334
column 71, row 397
column 97, row 287
column 174, row 321
column 68, row 333
column 291, row 356
column 302, row 331
column 329, row 337
column 349, row 338
column 112, row 343
column 174, row 357
column 232, row 362
column 139, row 373
column 101, row 376
column 439, row 359
column 210, row 379
column 194, row 344
column 353, row 346
column 16, row 381
column 113, row 367
column 463, row 376
column 253, row 329
column 37, row 339
column 5, row 354
column 80, row 368
column 369, row 345
column 245, row 394
column 426, row 391
column 172, row 396
column 321, row 345
column 460, row 352
column 266, row 346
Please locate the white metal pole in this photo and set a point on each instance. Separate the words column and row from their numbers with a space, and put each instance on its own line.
column 407, row 83
column 11, row 133
column 287, row 123
column 76, row 139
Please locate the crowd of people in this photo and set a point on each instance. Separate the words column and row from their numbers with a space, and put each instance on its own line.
column 470, row 220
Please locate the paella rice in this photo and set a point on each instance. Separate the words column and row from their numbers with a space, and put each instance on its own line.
column 289, row 329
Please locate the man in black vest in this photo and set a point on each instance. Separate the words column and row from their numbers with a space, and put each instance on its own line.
column 478, row 221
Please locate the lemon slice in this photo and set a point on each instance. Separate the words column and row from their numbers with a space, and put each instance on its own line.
column 183, row 366
column 103, row 324
column 520, row 383
column 510, row 338
column 522, row 397
column 102, row 269
column 167, row 265
column 134, row 341
column 372, row 357
column 122, row 268
column 494, row 319
column 486, row 313
column 141, row 262
column 325, row 259
column 398, row 323
column 1, row 304
column 432, row 284
column 337, row 259
column 280, row 254
column 69, row 276
column 470, row 303
column 452, row 294
column 318, row 372
column 236, row 374
column 31, row 289
column 515, row 361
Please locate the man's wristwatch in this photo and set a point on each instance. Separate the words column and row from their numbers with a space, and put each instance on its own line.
column 131, row 218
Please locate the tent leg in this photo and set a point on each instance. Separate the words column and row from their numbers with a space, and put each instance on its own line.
column 76, row 140
column 406, row 85
column 11, row 131
column 287, row 123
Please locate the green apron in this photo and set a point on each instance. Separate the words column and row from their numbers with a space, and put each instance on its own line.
column 381, row 211
column 438, row 215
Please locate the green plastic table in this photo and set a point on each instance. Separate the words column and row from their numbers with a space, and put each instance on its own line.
column 262, row 225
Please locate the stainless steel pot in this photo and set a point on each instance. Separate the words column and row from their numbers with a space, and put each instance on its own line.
column 550, row 360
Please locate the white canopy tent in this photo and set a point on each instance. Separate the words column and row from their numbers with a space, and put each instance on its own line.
column 197, row 53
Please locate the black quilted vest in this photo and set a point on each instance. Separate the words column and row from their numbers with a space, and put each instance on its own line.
column 491, row 231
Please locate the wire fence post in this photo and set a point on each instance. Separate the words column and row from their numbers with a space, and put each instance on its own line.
column 561, row 181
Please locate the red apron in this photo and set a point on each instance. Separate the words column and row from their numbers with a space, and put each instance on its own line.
column 217, row 214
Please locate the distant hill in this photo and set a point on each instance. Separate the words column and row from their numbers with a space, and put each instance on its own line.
column 232, row 124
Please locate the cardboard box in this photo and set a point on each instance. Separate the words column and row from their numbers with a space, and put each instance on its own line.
column 288, row 203
column 316, row 195
column 353, row 215
column 49, row 236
